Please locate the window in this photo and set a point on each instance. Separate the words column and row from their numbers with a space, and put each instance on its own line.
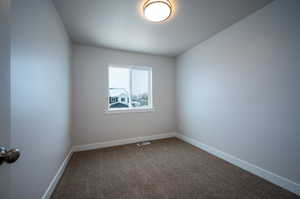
column 130, row 88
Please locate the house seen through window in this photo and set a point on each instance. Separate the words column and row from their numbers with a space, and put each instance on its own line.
column 130, row 87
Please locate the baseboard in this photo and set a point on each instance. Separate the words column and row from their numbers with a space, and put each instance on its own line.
column 121, row 142
column 57, row 177
column 267, row 175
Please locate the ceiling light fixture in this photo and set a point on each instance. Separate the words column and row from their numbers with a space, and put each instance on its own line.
column 157, row 10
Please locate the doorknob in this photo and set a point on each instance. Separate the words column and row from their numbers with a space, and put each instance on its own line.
column 9, row 156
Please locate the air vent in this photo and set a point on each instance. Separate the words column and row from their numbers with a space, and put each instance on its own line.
column 140, row 144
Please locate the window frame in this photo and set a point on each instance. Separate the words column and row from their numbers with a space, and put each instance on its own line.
column 131, row 109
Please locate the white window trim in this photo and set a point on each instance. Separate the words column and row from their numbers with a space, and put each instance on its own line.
column 149, row 108
column 135, row 110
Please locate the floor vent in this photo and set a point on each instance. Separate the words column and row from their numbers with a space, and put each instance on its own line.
column 143, row 144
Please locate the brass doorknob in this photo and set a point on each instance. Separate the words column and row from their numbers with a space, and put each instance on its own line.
column 9, row 156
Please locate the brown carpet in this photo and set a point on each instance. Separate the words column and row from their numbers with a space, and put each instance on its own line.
column 166, row 169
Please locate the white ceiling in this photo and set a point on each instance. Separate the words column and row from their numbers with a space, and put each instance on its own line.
column 118, row 23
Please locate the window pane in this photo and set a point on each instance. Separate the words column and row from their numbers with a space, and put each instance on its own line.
column 119, row 84
column 140, row 88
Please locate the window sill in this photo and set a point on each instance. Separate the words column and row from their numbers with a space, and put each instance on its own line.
column 136, row 110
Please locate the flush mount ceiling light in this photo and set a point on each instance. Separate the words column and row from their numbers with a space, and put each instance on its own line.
column 157, row 10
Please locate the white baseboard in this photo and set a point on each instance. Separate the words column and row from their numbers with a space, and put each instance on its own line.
column 267, row 175
column 56, row 178
column 121, row 142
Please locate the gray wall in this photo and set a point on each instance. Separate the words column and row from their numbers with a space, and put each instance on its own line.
column 40, row 95
column 4, row 92
column 90, row 123
column 240, row 90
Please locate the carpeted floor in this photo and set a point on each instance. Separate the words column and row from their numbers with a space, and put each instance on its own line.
column 166, row 169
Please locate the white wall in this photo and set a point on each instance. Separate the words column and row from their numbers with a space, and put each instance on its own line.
column 90, row 123
column 240, row 90
column 39, row 94
column 4, row 93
